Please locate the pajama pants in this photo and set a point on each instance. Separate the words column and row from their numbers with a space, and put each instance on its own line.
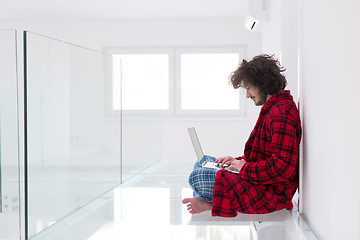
column 202, row 180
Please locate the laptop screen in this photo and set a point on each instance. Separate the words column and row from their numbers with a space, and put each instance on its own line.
column 196, row 144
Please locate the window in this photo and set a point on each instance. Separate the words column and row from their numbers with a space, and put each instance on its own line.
column 204, row 81
column 176, row 81
column 146, row 80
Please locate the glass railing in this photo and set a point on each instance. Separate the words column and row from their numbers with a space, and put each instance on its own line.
column 141, row 145
column 9, row 140
column 72, row 146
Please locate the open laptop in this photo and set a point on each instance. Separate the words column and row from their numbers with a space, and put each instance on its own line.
column 200, row 155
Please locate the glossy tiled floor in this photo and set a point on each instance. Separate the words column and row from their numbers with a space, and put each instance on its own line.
column 148, row 206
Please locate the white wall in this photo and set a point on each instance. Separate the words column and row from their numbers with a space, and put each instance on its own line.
column 272, row 30
column 280, row 37
column 173, row 143
column 330, row 78
column 220, row 136
column 329, row 83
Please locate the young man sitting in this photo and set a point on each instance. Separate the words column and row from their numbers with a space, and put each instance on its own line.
column 269, row 168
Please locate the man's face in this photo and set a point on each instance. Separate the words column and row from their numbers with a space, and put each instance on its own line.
column 255, row 94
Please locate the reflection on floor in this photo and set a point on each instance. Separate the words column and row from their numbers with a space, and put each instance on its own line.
column 148, row 206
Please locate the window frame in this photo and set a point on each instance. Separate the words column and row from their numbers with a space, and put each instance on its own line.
column 146, row 50
column 206, row 50
column 175, row 110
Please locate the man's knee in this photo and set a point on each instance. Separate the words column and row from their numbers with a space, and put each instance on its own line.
column 193, row 178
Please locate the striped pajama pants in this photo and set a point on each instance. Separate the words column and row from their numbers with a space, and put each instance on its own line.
column 202, row 180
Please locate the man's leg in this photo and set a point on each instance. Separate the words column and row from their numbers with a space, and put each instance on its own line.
column 195, row 205
column 202, row 181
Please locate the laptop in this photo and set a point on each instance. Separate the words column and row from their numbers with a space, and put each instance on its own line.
column 200, row 155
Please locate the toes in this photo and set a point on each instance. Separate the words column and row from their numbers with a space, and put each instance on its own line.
column 185, row 200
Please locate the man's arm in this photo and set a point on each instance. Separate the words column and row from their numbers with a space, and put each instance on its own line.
column 284, row 159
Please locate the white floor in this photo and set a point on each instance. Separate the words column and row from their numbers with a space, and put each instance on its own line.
column 148, row 206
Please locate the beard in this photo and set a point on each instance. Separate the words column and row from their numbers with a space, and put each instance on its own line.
column 260, row 100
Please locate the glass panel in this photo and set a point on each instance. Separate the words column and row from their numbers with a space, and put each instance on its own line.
column 145, row 86
column 146, row 80
column 142, row 145
column 73, row 151
column 9, row 160
column 204, row 79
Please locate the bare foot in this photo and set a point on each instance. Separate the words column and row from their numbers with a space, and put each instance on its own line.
column 195, row 205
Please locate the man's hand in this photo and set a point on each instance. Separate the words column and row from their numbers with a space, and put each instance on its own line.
column 224, row 160
column 237, row 164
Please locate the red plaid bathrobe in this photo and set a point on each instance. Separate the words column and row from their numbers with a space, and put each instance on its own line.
column 270, row 176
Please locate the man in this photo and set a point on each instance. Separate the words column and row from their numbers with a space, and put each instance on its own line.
column 269, row 168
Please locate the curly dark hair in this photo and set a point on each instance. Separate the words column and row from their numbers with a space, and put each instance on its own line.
column 263, row 72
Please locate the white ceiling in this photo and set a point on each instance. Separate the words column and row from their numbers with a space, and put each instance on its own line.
column 119, row 9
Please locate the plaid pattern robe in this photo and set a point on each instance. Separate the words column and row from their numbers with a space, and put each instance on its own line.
column 270, row 176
